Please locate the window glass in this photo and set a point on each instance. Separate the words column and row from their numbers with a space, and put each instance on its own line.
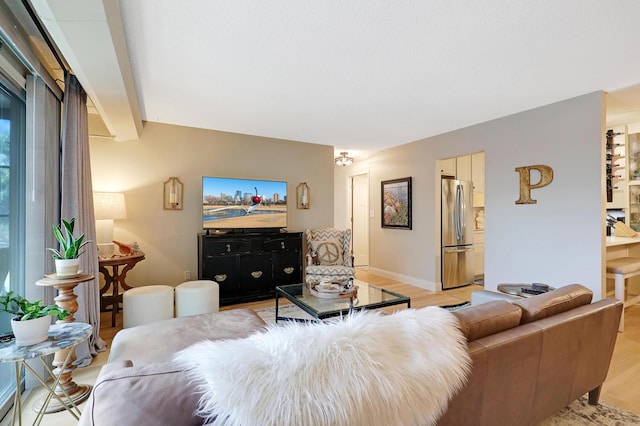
column 12, row 141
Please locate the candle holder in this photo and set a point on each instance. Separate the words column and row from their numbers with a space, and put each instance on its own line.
column 172, row 198
column 303, row 196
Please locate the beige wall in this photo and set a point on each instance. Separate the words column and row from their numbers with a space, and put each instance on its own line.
column 557, row 241
column 139, row 167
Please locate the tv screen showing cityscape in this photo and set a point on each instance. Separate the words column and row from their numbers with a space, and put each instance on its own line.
column 231, row 203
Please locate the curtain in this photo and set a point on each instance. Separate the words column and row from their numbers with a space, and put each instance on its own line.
column 77, row 201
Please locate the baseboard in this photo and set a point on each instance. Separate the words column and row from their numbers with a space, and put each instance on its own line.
column 424, row 284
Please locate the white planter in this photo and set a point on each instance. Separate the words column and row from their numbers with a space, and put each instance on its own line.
column 31, row 331
column 67, row 267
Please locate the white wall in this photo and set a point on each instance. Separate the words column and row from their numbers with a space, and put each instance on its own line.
column 139, row 167
column 559, row 240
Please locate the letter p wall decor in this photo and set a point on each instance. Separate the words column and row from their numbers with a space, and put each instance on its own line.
column 546, row 177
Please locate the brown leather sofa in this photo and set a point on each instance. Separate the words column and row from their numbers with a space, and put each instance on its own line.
column 530, row 358
column 534, row 356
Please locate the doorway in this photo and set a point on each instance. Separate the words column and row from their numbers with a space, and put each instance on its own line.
column 471, row 168
column 359, row 211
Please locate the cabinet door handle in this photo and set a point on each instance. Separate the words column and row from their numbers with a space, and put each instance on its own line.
column 282, row 244
column 256, row 274
column 228, row 248
column 289, row 270
column 220, row 277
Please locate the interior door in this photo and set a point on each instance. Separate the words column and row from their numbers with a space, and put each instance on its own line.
column 360, row 218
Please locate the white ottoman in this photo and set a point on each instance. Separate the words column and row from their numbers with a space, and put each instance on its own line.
column 197, row 297
column 142, row 305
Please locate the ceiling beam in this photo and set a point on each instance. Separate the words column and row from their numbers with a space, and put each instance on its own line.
column 90, row 35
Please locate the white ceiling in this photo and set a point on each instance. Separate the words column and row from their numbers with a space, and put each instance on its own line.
column 360, row 75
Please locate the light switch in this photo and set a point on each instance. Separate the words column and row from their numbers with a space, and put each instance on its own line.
column 372, row 213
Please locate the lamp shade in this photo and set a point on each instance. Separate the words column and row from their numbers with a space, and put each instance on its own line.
column 109, row 205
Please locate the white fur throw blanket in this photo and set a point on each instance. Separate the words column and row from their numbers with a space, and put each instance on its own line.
column 364, row 369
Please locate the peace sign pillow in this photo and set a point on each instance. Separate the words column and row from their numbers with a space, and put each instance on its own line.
column 329, row 252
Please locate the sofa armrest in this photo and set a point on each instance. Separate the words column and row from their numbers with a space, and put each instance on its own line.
column 155, row 394
column 111, row 367
column 158, row 341
column 484, row 296
column 488, row 318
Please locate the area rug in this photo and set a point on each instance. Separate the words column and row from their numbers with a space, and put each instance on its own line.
column 268, row 315
column 580, row 413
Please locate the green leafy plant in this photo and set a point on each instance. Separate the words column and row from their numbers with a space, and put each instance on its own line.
column 70, row 247
column 25, row 310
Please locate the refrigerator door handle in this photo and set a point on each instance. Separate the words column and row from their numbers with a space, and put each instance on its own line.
column 463, row 212
column 460, row 213
column 457, row 249
column 456, row 213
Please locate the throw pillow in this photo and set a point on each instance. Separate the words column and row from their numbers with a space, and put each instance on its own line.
column 329, row 252
column 365, row 369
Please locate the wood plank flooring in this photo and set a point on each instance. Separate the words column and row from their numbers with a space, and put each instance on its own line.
column 621, row 389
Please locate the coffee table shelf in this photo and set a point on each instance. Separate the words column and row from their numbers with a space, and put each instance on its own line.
column 368, row 297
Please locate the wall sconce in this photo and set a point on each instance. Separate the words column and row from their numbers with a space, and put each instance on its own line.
column 172, row 199
column 303, row 198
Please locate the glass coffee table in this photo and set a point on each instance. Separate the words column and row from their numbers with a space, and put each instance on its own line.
column 368, row 297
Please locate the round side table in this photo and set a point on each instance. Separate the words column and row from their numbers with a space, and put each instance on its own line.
column 62, row 338
column 66, row 299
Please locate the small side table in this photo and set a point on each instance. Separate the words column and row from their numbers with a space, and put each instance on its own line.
column 66, row 299
column 114, row 279
column 62, row 337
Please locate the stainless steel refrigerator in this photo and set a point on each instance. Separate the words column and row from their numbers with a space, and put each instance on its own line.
column 457, row 233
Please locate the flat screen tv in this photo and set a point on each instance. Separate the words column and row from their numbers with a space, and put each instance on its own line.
column 243, row 204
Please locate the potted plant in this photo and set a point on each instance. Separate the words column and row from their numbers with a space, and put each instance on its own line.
column 31, row 320
column 67, row 258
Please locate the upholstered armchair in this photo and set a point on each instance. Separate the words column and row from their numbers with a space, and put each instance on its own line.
column 329, row 255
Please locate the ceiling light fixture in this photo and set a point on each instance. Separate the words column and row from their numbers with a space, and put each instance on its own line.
column 343, row 160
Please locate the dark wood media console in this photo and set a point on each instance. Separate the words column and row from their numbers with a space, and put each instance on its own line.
column 248, row 267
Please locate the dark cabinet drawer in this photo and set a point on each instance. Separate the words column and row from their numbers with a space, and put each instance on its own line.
column 234, row 246
column 275, row 244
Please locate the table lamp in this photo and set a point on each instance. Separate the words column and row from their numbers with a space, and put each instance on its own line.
column 108, row 206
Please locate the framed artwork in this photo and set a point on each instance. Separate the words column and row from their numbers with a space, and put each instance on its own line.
column 396, row 203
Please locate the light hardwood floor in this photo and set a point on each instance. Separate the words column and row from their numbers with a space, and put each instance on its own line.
column 621, row 389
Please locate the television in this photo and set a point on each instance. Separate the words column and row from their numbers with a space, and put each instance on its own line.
column 243, row 204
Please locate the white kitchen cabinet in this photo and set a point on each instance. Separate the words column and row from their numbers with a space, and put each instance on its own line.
column 463, row 168
column 447, row 167
column 477, row 172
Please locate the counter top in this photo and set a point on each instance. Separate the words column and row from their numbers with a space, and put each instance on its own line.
column 621, row 241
